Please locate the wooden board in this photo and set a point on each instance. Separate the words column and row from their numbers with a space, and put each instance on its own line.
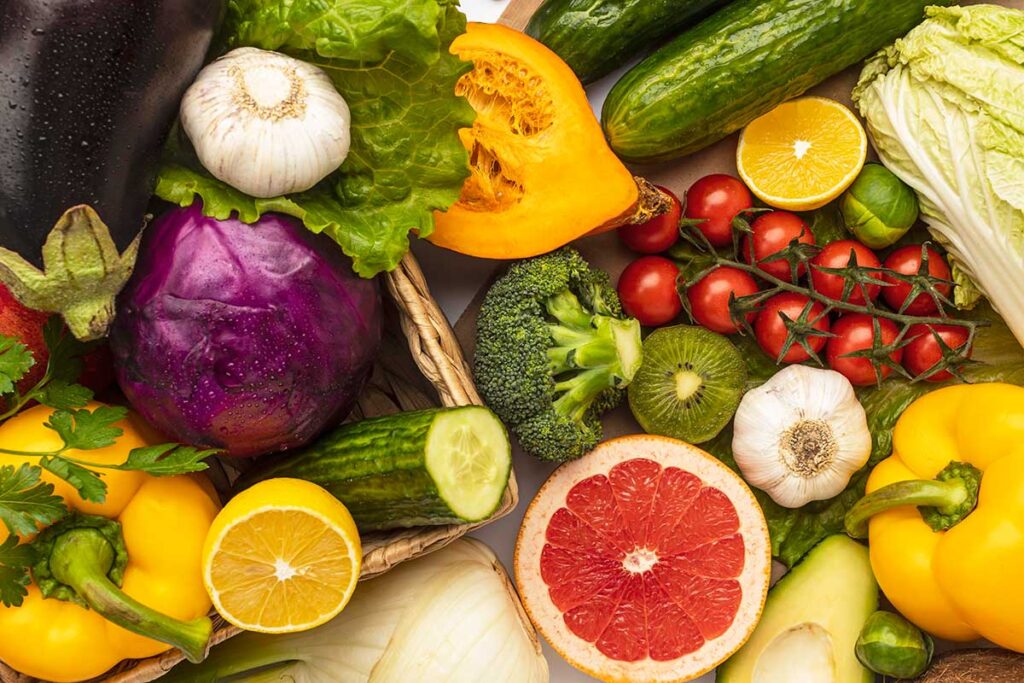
column 518, row 13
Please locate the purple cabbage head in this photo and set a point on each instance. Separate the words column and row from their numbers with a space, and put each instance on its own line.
column 248, row 338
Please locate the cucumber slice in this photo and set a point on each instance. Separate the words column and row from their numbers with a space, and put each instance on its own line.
column 469, row 458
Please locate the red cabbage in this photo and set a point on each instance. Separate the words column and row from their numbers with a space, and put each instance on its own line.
column 249, row 338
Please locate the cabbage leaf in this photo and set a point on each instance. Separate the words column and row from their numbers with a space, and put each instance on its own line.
column 389, row 59
column 945, row 112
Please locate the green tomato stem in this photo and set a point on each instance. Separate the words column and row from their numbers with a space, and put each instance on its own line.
column 844, row 306
column 944, row 501
column 81, row 558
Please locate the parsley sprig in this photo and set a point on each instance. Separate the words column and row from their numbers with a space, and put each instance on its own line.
column 26, row 501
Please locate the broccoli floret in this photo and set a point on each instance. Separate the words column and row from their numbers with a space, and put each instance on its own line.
column 554, row 352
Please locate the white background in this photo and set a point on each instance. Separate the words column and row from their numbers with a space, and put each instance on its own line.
column 454, row 280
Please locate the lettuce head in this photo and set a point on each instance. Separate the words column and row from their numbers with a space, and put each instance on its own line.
column 945, row 110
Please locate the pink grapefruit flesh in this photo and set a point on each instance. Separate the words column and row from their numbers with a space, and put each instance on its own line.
column 646, row 560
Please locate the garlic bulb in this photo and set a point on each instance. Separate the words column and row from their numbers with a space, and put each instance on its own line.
column 801, row 436
column 265, row 123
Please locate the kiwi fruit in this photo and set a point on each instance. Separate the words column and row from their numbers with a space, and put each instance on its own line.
column 689, row 385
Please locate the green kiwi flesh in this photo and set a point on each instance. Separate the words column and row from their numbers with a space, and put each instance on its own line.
column 689, row 385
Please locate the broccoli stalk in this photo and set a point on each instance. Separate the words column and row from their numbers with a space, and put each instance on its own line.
column 554, row 352
column 605, row 349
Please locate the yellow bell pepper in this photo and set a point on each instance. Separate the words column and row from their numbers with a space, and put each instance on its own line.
column 946, row 511
column 161, row 524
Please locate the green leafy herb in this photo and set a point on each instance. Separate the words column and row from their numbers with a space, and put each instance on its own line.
column 65, row 362
column 390, row 61
column 63, row 395
column 166, row 459
column 15, row 361
column 56, row 388
column 85, row 430
column 26, row 501
column 15, row 559
column 88, row 429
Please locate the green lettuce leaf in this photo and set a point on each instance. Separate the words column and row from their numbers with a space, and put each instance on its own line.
column 351, row 30
column 389, row 59
column 795, row 531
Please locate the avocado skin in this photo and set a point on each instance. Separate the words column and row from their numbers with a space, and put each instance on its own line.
column 88, row 92
column 834, row 588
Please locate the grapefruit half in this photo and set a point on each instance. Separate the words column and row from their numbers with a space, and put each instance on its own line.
column 645, row 560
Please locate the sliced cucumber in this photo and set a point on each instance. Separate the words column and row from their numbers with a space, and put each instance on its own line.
column 428, row 467
column 469, row 458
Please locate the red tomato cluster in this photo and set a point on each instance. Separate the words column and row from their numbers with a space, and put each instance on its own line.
column 650, row 286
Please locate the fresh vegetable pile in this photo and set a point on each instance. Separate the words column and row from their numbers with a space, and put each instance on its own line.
column 824, row 351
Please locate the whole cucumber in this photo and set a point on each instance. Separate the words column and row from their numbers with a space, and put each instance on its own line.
column 427, row 467
column 741, row 63
column 595, row 37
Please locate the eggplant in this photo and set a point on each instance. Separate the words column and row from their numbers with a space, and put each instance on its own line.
column 88, row 92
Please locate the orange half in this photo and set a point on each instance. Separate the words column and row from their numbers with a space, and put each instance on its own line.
column 802, row 154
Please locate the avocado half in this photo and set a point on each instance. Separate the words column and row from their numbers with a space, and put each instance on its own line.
column 811, row 621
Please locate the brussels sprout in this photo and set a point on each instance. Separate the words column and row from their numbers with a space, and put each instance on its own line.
column 891, row 646
column 879, row 208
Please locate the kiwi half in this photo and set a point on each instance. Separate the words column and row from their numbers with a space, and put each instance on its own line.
column 689, row 385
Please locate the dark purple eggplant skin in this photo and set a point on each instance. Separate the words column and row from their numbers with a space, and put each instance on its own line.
column 88, row 92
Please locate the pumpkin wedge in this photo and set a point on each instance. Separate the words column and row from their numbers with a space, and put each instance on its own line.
column 541, row 172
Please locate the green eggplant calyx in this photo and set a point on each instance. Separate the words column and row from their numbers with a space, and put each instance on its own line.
column 83, row 559
column 943, row 502
column 82, row 273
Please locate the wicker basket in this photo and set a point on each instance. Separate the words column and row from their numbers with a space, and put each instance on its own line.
column 420, row 365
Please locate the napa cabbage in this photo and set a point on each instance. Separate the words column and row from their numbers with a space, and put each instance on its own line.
column 945, row 110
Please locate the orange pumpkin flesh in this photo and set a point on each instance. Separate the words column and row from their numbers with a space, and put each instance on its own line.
column 541, row 172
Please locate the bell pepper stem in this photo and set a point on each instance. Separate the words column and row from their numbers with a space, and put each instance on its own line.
column 81, row 559
column 944, row 501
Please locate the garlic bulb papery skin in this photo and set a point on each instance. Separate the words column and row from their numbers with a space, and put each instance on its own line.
column 265, row 123
column 800, row 436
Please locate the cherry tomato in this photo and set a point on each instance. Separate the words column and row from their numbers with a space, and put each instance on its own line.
column 856, row 332
column 772, row 232
column 717, row 199
column 837, row 255
column 709, row 298
column 657, row 234
column 647, row 289
column 907, row 260
column 771, row 332
column 923, row 351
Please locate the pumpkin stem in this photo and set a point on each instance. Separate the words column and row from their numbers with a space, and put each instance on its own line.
column 652, row 202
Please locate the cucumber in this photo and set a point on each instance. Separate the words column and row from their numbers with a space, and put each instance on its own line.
column 595, row 37
column 740, row 63
column 428, row 467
